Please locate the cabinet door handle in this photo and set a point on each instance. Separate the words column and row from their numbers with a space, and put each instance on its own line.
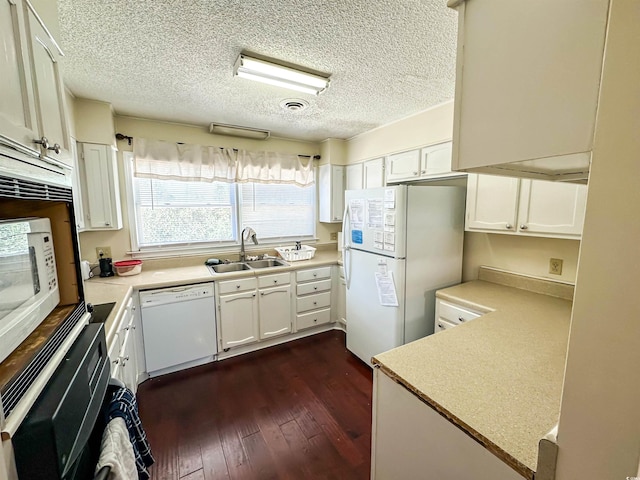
column 315, row 303
column 44, row 141
column 508, row 226
column 460, row 319
column 441, row 326
column 423, row 172
column 523, row 227
column 272, row 291
column 315, row 288
column 237, row 286
column 275, row 281
column 56, row 148
column 315, row 274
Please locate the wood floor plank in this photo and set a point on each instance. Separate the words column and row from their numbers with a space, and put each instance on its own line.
column 301, row 410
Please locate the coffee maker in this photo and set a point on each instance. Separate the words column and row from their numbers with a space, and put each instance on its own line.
column 106, row 267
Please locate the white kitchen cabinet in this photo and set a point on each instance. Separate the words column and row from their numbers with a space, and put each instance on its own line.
column 123, row 348
column 403, row 166
column 330, row 193
column 401, row 421
column 101, row 189
column 76, row 187
column 526, row 207
column 492, row 203
column 18, row 120
column 551, row 50
column 449, row 315
column 551, row 208
column 274, row 305
column 342, row 298
column 353, row 176
column 49, row 89
column 426, row 163
column 373, row 173
column 238, row 314
column 313, row 297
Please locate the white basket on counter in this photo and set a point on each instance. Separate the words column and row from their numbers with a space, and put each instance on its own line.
column 290, row 254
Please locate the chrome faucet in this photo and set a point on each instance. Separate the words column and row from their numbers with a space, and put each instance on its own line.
column 247, row 233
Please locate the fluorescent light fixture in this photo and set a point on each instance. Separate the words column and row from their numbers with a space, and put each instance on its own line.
column 273, row 74
column 235, row 131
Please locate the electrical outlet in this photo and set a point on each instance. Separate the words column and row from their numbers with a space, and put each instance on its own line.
column 334, row 235
column 555, row 266
column 103, row 252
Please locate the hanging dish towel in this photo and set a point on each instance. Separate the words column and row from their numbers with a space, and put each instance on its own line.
column 123, row 405
column 116, row 452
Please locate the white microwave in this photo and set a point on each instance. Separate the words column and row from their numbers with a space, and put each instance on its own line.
column 28, row 279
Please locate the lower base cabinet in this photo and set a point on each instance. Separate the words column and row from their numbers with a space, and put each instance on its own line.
column 237, row 313
column 313, row 297
column 123, row 348
column 411, row 440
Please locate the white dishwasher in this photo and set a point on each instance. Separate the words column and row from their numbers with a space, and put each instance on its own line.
column 178, row 327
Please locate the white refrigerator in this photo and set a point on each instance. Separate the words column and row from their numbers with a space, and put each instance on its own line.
column 400, row 245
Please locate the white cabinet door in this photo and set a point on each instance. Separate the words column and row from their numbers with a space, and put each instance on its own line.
column 342, row 300
column 353, row 177
column 436, row 159
column 404, row 166
column 551, row 207
column 275, row 311
column 18, row 121
column 373, row 175
column 102, row 191
column 238, row 319
column 531, row 91
column 76, row 185
column 492, row 203
column 330, row 193
column 49, row 91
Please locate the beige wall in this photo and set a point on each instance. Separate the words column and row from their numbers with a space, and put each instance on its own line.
column 528, row 255
column 94, row 122
column 119, row 240
column 431, row 126
column 599, row 429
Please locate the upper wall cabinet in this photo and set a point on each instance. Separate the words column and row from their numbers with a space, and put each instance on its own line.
column 353, row 177
column 526, row 207
column 330, row 193
column 100, row 187
column 373, row 173
column 528, row 78
column 428, row 163
column 32, row 111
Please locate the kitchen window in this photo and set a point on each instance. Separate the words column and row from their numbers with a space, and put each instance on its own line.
column 167, row 216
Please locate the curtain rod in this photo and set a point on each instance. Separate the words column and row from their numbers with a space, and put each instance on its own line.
column 120, row 136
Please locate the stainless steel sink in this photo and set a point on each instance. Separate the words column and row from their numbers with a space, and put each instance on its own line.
column 229, row 267
column 266, row 263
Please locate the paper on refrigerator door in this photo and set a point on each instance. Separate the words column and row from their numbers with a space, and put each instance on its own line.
column 390, row 222
column 356, row 214
column 386, row 289
column 390, row 198
column 374, row 213
column 378, row 239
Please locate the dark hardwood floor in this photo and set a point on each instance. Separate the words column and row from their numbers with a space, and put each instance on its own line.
column 301, row 410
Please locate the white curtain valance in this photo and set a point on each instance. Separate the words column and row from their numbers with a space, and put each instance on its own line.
column 196, row 163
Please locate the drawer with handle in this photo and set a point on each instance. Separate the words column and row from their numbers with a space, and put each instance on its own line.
column 265, row 281
column 311, row 319
column 240, row 285
column 454, row 313
column 313, row 287
column 312, row 302
column 313, row 274
column 443, row 325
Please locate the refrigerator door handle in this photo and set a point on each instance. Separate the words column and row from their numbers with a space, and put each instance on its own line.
column 346, row 248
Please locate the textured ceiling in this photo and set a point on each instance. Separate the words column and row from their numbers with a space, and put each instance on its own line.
column 173, row 60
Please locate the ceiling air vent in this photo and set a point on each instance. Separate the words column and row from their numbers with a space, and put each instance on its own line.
column 294, row 104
